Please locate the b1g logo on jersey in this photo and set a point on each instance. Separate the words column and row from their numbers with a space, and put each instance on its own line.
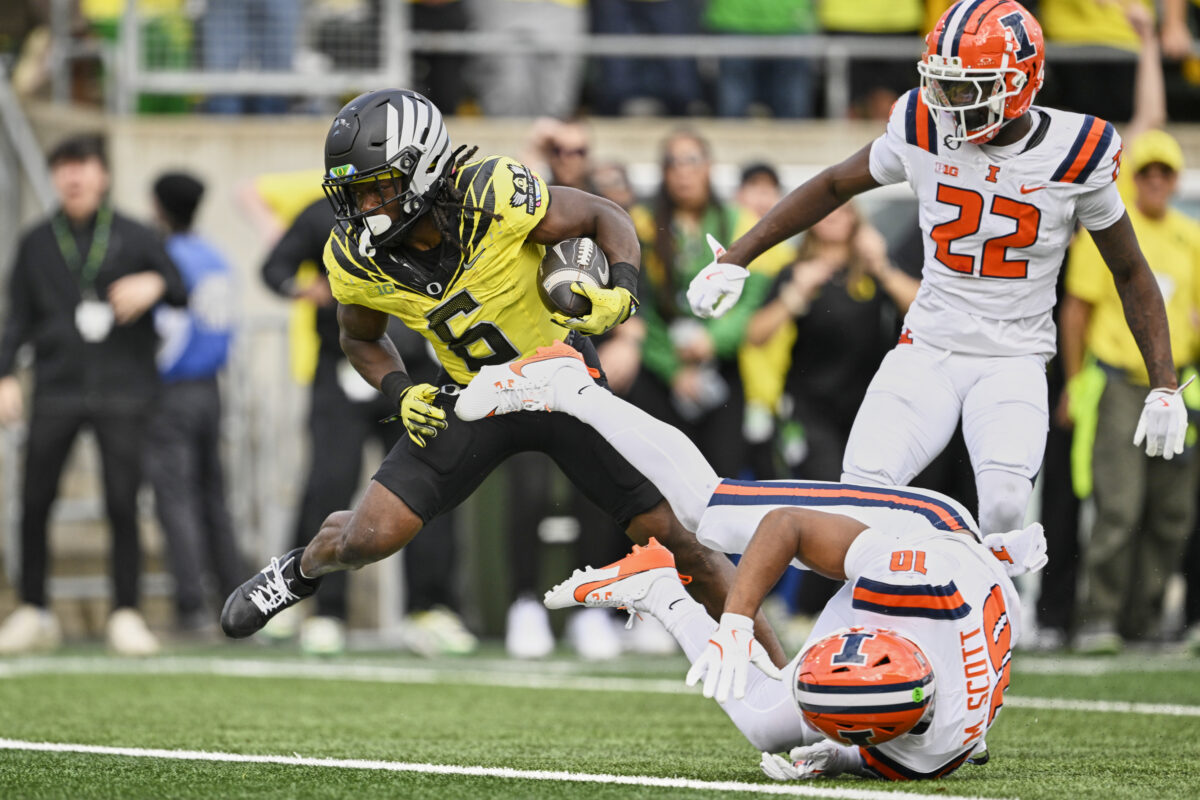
column 945, row 169
column 1025, row 46
column 526, row 189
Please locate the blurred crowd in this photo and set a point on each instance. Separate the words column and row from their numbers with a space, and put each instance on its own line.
column 528, row 67
column 767, row 391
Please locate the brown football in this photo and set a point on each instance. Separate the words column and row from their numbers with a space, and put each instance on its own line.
column 566, row 262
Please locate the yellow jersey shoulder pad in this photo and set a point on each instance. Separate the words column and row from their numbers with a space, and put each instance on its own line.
column 340, row 255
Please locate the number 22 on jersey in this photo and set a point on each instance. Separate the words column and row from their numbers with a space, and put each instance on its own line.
column 993, row 261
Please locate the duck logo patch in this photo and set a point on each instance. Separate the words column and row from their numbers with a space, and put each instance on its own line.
column 527, row 190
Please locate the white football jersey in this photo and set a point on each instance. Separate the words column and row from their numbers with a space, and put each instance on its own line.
column 996, row 222
column 947, row 593
column 736, row 508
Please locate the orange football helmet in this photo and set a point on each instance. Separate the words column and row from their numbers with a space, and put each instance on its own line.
column 983, row 65
column 863, row 686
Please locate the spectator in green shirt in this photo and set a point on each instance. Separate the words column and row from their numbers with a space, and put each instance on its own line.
column 689, row 371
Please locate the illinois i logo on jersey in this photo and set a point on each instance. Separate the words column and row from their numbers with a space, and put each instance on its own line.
column 527, row 191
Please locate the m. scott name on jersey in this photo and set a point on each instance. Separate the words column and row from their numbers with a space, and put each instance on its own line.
column 526, row 190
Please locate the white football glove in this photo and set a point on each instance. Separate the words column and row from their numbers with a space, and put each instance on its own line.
column 727, row 659
column 717, row 287
column 1019, row 551
column 814, row 761
column 1163, row 423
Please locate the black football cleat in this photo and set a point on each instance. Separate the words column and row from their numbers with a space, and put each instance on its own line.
column 277, row 587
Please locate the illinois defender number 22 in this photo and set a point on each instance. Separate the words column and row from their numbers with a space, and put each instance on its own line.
column 994, row 261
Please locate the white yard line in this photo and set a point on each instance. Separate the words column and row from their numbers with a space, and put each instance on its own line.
column 787, row 789
column 530, row 678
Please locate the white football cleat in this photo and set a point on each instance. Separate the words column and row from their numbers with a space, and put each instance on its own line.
column 620, row 584
column 528, row 384
column 128, row 635
column 29, row 629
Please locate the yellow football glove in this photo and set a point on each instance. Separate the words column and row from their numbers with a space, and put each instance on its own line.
column 610, row 307
column 420, row 416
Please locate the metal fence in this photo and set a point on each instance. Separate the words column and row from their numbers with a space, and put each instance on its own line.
column 325, row 50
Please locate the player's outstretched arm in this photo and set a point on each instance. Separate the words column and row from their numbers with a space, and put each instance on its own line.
column 573, row 213
column 819, row 540
column 804, row 206
column 1140, row 297
column 1163, row 424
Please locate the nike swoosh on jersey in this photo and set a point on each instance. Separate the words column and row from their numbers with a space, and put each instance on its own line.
column 478, row 256
column 1030, row 189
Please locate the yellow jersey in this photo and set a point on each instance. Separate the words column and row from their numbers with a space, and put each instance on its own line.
column 1089, row 22
column 1172, row 248
column 478, row 307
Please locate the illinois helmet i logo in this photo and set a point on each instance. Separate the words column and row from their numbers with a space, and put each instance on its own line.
column 863, row 686
column 983, row 65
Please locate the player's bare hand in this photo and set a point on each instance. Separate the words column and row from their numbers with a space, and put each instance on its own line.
column 12, row 407
column 134, row 295
column 725, row 663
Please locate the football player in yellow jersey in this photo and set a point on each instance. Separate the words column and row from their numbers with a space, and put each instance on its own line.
column 451, row 247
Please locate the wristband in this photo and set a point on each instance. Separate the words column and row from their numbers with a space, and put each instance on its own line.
column 393, row 385
column 625, row 276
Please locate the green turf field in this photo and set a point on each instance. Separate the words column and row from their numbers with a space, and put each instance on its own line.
column 1073, row 728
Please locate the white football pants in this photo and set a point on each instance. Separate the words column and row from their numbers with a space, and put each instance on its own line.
column 914, row 403
column 659, row 451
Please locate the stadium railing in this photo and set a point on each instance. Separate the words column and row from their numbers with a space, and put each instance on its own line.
column 390, row 44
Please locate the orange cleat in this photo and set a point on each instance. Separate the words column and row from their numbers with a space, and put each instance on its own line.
column 617, row 585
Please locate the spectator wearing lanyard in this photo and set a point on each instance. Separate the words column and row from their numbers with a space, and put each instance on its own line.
column 80, row 288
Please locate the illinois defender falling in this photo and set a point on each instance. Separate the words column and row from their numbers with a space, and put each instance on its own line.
column 451, row 247
column 1001, row 185
column 907, row 665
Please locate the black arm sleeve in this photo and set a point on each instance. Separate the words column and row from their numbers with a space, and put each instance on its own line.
column 303, row 241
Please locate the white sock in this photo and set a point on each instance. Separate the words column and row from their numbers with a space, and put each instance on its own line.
column 684, row 618
column 659, row 451
column 767, row 716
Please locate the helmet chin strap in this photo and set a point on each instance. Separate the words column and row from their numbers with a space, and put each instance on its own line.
column 377, row 224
